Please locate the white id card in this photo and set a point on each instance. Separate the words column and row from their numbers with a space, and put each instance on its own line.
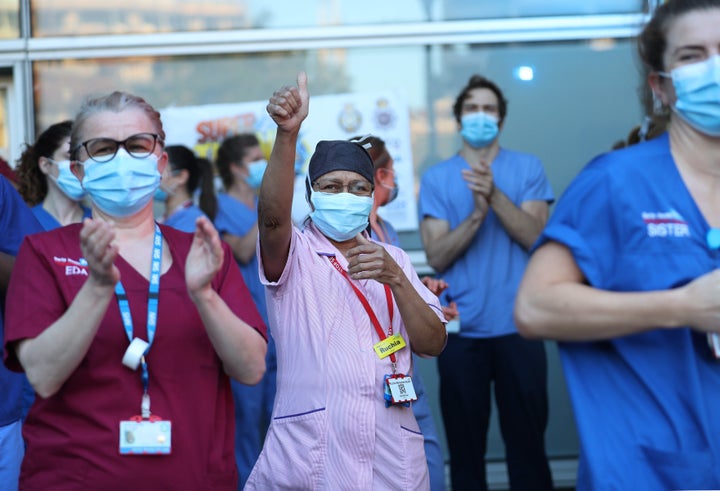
column 145, row 437
column 401, row 389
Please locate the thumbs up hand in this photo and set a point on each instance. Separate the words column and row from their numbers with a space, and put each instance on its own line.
column 288, row 106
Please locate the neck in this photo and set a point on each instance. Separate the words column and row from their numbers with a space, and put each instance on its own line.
column 376, row 224
column 694, row 151
column 137, row 227
column 62, row 208
column 175, row 201
column 343, row 246
column 475, row 155
column 241, row 191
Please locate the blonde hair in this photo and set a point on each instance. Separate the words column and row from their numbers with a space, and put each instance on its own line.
column 114, row 102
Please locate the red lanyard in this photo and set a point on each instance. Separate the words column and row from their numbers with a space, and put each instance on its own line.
column 366, row 305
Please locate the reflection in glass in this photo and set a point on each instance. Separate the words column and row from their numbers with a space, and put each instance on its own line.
column 9, row 19
column 565, row 114
column 464, row 9
column 97, row 17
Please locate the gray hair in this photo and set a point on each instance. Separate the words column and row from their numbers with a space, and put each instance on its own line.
column 115, row 102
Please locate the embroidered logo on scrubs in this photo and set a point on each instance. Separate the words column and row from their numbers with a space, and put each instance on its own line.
column 665, row 224
column 72, row 267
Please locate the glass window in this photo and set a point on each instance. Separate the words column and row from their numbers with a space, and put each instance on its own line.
column 463, row 9
column 559, row 109
column 95, row 17
column 9, row 19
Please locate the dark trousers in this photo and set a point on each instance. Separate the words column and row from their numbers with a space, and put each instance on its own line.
column 517, row 370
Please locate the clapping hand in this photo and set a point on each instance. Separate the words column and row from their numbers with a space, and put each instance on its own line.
column 97, row 242
column 437, row 286
column 205, row 257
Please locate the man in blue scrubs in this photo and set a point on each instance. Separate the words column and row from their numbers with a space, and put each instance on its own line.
column 481, row 210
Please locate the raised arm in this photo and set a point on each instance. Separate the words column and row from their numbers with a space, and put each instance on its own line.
column 288, row 107
column 554, row 302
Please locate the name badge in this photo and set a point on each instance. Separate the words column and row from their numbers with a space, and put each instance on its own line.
column 401, row 389
column 145, row 436
column 389, row 345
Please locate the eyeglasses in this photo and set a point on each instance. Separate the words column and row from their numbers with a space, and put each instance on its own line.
column 330, row 186
column 102, row 150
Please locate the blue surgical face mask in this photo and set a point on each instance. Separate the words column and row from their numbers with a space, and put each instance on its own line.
column 160, row 194
column 340, row 216
column 256, row 172
column 163, row 192
column 479, row 129
column 67, row 182
column 123, row 185
column 697, row 87
column 393, row 190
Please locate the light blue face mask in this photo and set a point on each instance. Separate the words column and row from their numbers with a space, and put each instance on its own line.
column 257, row 171
column 160, row 194
column 340, row 216
column 393, row 190
column 697, row 87
column 479, row 129
column 123, row 185
column 67, row 182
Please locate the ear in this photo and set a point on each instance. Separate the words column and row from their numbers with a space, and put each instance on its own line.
column 44, row 165
column 379, row 175
column 655, row 81
column 182, row 176
column 162, row 162
column 238, row 169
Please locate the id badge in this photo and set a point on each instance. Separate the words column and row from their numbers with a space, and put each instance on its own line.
column 145, row 436
column 401, row 389
column 389, row 345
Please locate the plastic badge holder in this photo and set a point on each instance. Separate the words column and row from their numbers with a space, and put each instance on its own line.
column 145, row 436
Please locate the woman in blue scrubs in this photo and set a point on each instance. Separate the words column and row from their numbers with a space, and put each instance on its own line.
column 46, row 182
column 626, row 276
column 185, row 175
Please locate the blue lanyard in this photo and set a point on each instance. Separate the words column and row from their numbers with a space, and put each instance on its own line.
column 153, row 290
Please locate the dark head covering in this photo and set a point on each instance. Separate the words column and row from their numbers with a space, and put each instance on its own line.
column 331, row 155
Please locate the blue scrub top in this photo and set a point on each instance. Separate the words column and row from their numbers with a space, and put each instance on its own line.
column 16, row 221
column 236, row 218
column 391, row 234
column 184, row 218
column 49, row 222
column 646, row 405
column 485, row 278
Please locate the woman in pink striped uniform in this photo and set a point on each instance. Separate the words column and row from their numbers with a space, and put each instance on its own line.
column 346, row 313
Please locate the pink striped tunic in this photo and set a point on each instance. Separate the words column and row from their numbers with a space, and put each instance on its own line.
column 331, row 429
